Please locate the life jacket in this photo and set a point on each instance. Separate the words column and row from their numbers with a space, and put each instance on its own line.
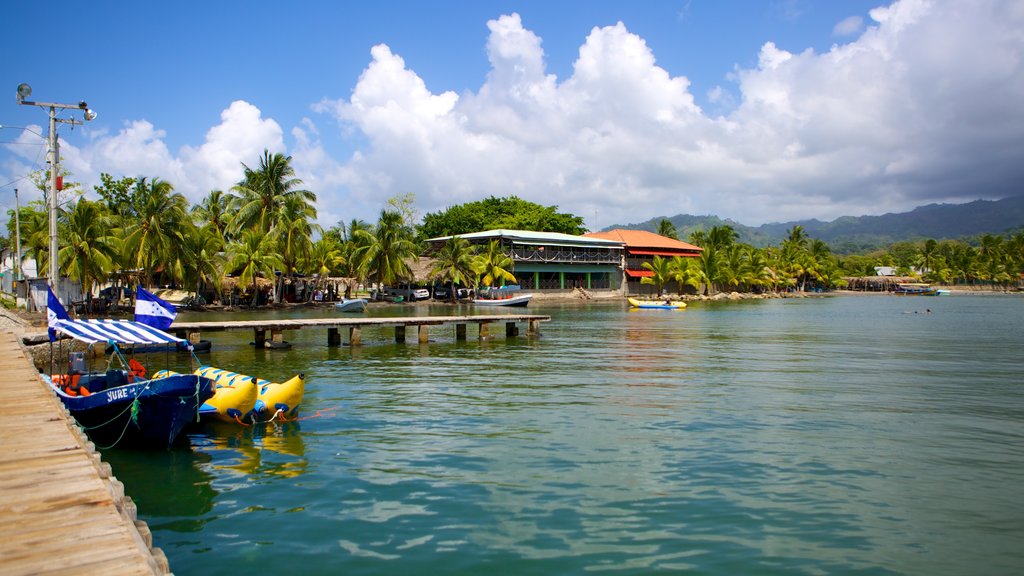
column 69, row 384
column 136, row 369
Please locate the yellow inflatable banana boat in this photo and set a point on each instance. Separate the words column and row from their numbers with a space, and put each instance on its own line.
column 270, row 396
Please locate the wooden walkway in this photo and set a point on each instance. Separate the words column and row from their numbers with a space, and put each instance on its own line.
column 61, row 510
column 276, row 327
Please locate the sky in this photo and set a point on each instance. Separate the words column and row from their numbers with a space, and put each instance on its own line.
column 752, row 110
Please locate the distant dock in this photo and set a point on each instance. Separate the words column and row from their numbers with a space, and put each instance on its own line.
column 276, row 328
column 61, row 510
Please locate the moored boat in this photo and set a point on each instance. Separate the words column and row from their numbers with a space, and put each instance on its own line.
column 122, row 407
column 270, row 397
column 504, row 296
column 351, row 305
column 657, row 304
column 234, row 395
column 915, row 290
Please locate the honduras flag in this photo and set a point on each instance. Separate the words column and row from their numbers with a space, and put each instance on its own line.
column 54, row 311
column 153, row 311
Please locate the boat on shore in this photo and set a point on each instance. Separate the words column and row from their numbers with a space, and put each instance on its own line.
column 504, row 296
column 910, row 289
column 121, row 406
column 351, row 305
column 666, row 304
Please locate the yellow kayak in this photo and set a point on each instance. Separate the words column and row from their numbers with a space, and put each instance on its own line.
column 657, row 304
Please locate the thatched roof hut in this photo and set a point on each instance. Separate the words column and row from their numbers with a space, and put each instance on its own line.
column 877, row 283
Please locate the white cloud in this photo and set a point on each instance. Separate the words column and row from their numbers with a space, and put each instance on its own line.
column 920, row 105
column 923, row 102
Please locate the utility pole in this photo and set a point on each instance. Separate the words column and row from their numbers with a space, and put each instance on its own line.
column 17, row 237
column 24, row 91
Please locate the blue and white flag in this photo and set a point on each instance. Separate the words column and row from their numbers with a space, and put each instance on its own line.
column 54, row 311
column 153, row 311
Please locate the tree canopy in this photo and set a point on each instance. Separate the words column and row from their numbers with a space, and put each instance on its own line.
column 511, row 213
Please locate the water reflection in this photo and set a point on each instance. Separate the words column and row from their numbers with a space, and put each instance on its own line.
column 274, row 449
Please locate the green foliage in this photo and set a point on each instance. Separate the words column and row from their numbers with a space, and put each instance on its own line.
column 510, row 213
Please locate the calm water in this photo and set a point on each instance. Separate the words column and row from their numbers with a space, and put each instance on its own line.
column 820, row 436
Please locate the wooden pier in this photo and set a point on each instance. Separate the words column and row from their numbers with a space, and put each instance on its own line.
column 61, row 510
column 276, row 328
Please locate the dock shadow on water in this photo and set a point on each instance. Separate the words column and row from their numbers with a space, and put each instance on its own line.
column 831, row 435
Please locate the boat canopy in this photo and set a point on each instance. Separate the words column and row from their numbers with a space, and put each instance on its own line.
column 94, row 331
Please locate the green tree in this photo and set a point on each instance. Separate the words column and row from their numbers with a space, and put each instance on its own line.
column 253, row 256
column 263, row 192
column 495, row 213
column 667, row 229
column 453, row 264
column 154, row 228
column 661, row 272
column 494, row 265
column 87, row 248
column 384, row 253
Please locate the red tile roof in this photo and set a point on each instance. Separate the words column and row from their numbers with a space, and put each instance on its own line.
column 644, row 242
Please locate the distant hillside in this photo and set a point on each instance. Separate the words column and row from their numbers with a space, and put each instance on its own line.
column 863, row 233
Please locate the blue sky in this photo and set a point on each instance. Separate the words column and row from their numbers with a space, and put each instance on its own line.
column 616, row 111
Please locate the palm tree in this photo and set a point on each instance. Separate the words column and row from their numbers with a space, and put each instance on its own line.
column 453, row 263
column 294, row 232
column 686, row 272
column 384, row 253
column 667, row 229
column 661, row 272
column 215, row 210
column 87, row 247
column 154, row 229
column 711, row 267
column 262, row 193
column 254, row 255
column 494, row 265
column 201, row 258
column 325, row 257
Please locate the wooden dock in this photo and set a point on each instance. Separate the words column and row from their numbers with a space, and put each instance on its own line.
column 277, row 327
column 61, row 510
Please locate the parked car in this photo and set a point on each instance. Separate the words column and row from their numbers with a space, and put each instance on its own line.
column 408, row 293
column 443, row 293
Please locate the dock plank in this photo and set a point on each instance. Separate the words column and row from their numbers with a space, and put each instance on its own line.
column 54, row 489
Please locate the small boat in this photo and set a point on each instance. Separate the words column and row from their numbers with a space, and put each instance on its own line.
column 196, row 347
column 351, row 305
column 121, row 407
column 915, row 290
column 657, row 304
column 234, row 395
column 269, row 398
column 504, row 296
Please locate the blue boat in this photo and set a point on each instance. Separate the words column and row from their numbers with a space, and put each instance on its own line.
column 121, row 406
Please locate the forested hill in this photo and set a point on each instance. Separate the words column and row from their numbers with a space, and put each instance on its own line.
column 864, row 233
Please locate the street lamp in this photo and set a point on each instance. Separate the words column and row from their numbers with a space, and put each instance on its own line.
column 24, row 91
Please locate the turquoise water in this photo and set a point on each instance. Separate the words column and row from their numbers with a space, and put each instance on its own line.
column 810, row 436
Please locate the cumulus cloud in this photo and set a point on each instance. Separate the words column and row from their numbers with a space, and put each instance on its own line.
column 921, row 106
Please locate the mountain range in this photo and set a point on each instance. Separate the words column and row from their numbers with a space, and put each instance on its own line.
column 856, row 234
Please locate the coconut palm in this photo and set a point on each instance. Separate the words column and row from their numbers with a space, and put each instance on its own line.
column 215, row 211
column 453, row 263
column 711, row 268
column 262, row 193
column 87, row 246
column 325, row 257
column 384, row 253
column 661, row 272
column 686, row 272
column 294, row 231
column 494, row 265
column 200, row 259
column 154, row 230
column 667, row 229
column 254, row 255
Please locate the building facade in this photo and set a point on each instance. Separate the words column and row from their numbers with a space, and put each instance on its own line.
column 553, row 261
column 641, row 246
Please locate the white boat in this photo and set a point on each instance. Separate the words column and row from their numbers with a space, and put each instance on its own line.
column 351, row 305
column 504, row 296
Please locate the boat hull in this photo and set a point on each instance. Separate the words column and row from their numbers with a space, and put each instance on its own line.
column 144, row 414
column 351, row 305
column 656, row 305
column 518, row 301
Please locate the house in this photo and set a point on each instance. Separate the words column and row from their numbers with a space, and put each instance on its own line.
column 553, row 261
column 642, row 246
